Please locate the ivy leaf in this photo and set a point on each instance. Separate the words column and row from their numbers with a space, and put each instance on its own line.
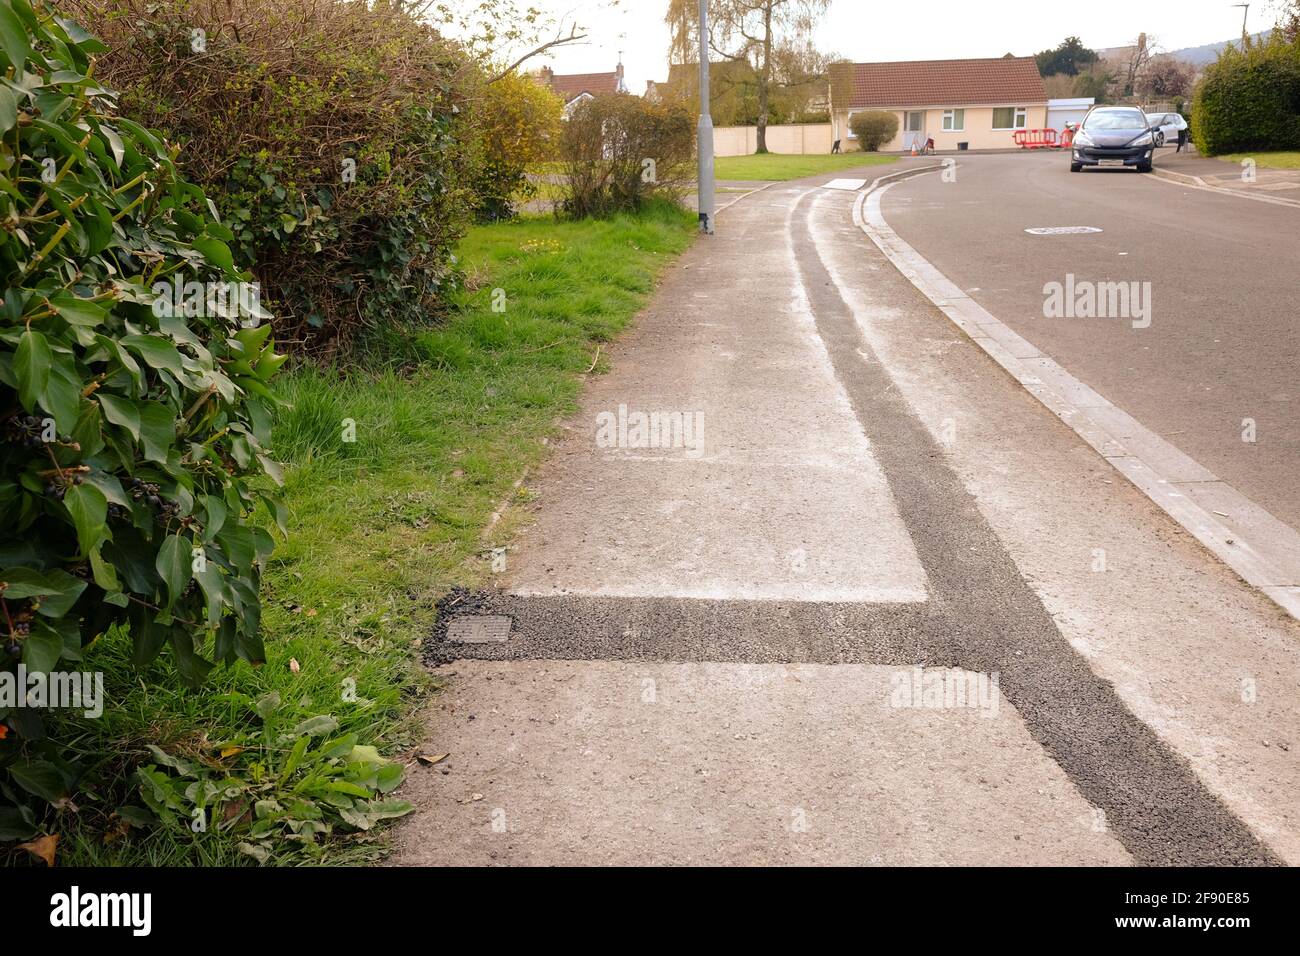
column 32, row 366
column 42, row 650
column 156, row 352
column 13, row 38
column 57, row 589
column 8, row 110
column 39, row 777
column 121, row 411
column 173, row 565
column 216, row 252
column 157, row 430
column 62, row 395
column 76, row 311
column 89, row 510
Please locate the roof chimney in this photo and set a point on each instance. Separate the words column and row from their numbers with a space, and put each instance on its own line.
column 547, row 75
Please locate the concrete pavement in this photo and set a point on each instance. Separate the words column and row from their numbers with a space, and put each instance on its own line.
column 663, row 697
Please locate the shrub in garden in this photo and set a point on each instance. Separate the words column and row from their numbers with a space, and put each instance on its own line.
column 619, row 151
column 873, row 128
column 133, row 421
column 517, row 122
column 332, row 135
column 1249, row 99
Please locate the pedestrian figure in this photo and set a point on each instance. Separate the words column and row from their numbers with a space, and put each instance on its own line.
column 1182, row 139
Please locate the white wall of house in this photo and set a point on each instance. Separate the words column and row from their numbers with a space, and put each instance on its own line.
column 979, row 126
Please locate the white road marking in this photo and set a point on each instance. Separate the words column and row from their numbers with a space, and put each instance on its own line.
column 847, row 184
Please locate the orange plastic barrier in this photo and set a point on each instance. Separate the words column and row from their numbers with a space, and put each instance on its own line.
column 1067, row 138
column 1036, row 138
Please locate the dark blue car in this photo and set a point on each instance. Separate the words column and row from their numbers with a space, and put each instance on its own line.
column 1114, row 136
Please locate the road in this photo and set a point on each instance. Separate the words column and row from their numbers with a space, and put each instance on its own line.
column 884, row 608
column 1223, row 343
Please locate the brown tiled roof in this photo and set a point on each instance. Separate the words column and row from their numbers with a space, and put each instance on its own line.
column 1009, row 80
column 572, row 85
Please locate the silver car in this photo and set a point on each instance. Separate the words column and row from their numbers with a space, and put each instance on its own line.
column 1167, row 126
column 1113, row 136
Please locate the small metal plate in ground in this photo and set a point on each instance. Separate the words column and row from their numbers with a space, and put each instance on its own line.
column 1061, row 230
column 479, row 629
column 849, row 184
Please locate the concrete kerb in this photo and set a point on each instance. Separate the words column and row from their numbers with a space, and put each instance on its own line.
column 1188, row 181
column 1267, row 556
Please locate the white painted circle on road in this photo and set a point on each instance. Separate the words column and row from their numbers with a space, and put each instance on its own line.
column 1060, row 230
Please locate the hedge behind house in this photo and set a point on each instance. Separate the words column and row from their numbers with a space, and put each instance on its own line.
column 1249, row 99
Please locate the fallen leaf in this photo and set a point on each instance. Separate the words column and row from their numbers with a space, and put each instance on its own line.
column 311, row 612
column 294, row 666
column 42, row 847
column 430, row 760
column 230, row 751
column 4, row 731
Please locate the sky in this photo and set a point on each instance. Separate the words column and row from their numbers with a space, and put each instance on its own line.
column 865, row 30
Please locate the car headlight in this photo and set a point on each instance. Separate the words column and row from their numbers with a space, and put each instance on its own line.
column 1081, row 139
column 1146, row 139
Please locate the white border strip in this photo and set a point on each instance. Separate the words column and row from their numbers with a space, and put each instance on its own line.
column 1264, row 551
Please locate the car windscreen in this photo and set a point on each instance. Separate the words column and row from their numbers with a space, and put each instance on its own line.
column 1125, row 119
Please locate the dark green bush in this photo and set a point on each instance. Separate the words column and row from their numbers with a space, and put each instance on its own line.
column 619, row 151
column 134, row 426
column 873, row 128
column 333, row 136
column 1249, row 99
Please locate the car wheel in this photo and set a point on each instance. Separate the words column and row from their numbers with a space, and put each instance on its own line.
column 1076, row 167
column 1160, row 139
column 1144, row 167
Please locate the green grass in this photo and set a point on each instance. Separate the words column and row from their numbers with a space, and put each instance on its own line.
column 1282, row 159
column 447, row 419
column 781, row 166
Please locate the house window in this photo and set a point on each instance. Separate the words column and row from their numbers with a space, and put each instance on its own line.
column 954, row 121
column 1009, row 117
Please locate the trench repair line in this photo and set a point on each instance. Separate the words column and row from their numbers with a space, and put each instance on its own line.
column 1254, row 556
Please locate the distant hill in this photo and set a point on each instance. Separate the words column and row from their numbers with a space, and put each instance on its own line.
column 1198, row 56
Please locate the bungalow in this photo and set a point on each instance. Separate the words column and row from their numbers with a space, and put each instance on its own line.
column 573, row 88
column 978, row 102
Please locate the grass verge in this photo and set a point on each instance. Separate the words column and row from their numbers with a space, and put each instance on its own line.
column 781, row 166
column 1282, row 159
column 445, row 420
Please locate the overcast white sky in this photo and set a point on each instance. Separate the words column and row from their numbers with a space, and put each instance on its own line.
column 866, row 30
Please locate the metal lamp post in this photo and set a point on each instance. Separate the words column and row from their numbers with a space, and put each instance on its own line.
column 704, row 133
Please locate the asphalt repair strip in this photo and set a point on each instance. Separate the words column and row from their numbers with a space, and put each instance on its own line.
column 981, row 616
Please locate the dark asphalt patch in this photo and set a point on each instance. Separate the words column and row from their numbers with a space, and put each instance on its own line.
column 981, row 616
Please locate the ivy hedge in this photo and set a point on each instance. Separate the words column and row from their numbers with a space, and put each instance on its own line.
column 134, row 407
